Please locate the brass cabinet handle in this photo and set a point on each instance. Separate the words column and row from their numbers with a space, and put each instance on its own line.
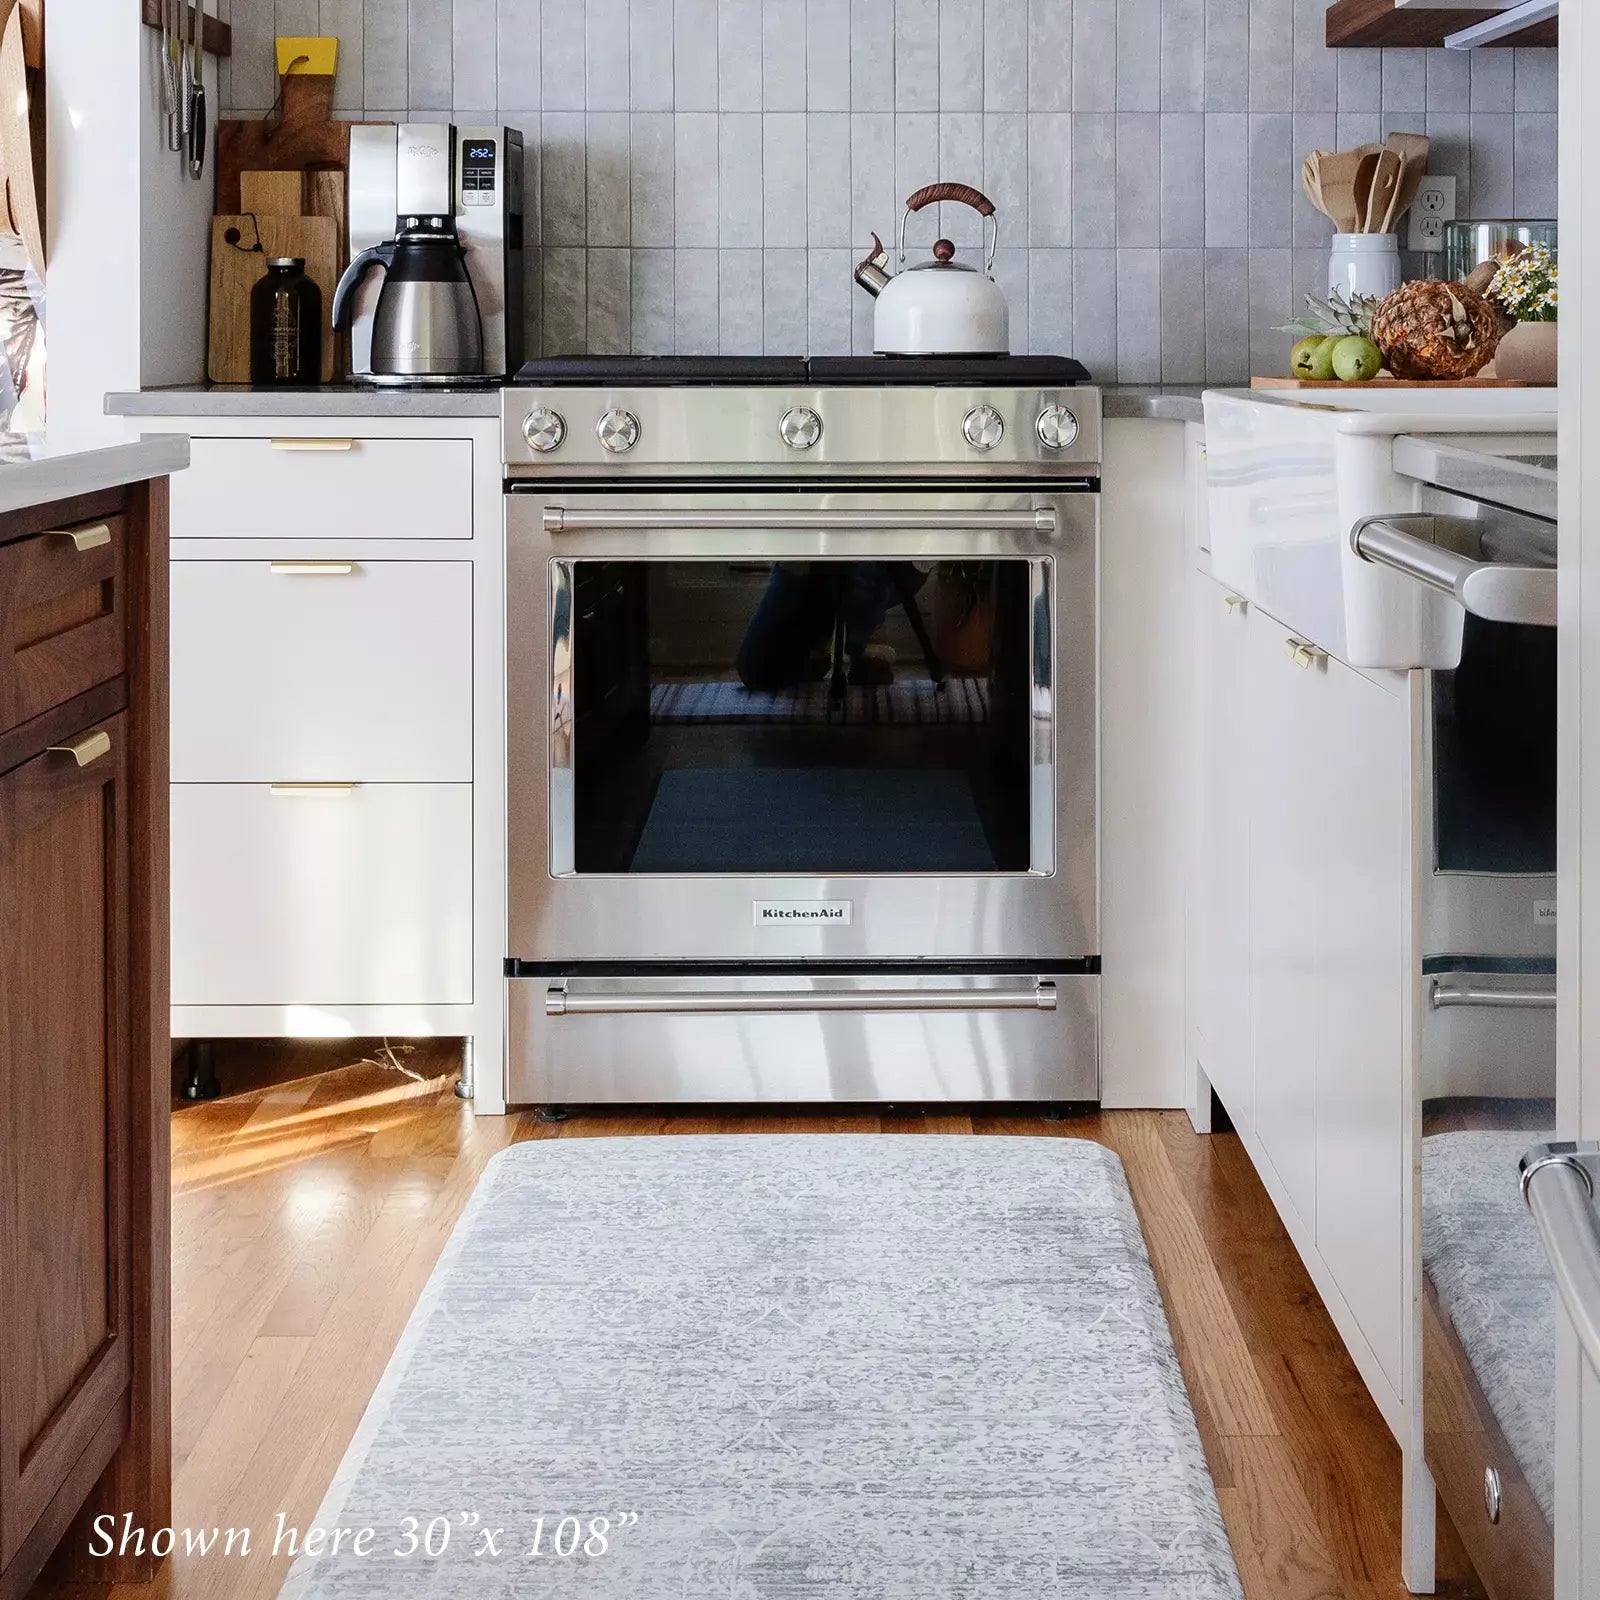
column 314, row 444
column 310, row 791
column 90, row 538
column 1303, row 654
column 85, row 748
column 1236, row 602
column 312, row 569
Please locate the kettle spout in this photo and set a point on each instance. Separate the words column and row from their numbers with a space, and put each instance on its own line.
column 870, row 273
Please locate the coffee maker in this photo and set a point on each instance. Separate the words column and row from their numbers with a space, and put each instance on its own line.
column 471, row 178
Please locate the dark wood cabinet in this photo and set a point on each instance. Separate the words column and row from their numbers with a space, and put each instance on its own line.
column 84, row 1239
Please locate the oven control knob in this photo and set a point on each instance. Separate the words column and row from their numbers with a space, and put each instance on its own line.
column 544, row 429
column 800, row 427
column 983, row 427
column 618, row 431
column 1057, row 428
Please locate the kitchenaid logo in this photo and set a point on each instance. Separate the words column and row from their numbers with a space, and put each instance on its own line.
column 768, row 913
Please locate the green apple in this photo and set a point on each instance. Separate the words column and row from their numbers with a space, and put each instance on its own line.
column 1355, row 359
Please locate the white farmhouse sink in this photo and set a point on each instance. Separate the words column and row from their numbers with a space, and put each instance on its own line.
column 1288, row 479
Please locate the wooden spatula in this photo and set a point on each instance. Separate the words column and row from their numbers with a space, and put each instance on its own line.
column 1338, row 179
column 1385, row 180
column 1413, row 151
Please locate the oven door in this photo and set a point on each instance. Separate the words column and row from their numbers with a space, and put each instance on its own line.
column 773, row 726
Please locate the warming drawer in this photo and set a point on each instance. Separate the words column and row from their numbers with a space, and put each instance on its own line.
column 756, row 1038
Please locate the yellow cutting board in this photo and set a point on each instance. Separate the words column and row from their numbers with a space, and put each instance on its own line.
column 236, row 266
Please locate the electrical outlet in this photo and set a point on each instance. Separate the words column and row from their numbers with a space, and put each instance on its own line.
column 1434, row 206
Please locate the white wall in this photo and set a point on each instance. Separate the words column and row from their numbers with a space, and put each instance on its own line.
column 125, row 233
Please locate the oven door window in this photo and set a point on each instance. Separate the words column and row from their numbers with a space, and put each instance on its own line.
column 1494, row 753
column 777, row 717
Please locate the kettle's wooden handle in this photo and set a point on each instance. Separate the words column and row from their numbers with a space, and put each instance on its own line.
column 964, row 193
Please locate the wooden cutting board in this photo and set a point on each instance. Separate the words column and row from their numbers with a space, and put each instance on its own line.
column 236, row 267
column 1390, row 383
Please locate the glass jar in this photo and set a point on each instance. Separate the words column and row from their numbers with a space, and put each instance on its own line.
column 1469, row 244
column 285, row 325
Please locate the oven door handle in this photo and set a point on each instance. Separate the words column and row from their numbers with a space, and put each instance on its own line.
column 1036, row 519
column 1445, row 996
column 1493, row 590
column 558, row 1002
column 1559, row 1188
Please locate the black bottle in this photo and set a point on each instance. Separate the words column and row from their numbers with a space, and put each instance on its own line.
column 285, row 325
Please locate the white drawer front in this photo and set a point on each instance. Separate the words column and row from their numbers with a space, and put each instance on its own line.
column 291, row 488
column 355, row 897
column 308, row 672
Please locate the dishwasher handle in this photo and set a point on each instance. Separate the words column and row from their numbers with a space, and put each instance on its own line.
column 1558, row 1186
column 559, row 1002
column 1496, row 591
column 1034, row 519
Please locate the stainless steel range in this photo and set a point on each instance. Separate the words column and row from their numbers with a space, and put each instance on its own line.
column 802, row 731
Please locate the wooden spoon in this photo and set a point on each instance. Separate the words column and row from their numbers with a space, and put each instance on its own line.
column 1366, row 169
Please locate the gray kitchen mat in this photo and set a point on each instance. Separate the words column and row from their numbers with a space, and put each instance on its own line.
column 786, row 1367
column 1481, row 1252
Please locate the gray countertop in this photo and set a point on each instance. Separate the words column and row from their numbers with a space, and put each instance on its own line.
column 1151, row 402
column 335, row 400
column 36, row 483
column 1517, row 470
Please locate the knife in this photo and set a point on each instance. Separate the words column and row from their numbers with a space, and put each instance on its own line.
column 185, row 82
column 197, row 93
column 169, row 74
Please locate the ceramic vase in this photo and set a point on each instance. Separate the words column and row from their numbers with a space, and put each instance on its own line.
column 1528, row 352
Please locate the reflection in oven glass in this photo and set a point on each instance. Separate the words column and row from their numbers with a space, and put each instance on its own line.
column 802, row 717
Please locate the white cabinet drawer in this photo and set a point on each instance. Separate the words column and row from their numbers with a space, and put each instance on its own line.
column 290, row 488
column 360, row 896
column 291, row 671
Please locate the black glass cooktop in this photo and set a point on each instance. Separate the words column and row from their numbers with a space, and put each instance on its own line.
column 1017, row 372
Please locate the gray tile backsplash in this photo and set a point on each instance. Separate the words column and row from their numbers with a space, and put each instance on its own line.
column 702, row 174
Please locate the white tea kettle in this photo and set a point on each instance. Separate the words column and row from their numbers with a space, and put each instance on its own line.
column 940, row 307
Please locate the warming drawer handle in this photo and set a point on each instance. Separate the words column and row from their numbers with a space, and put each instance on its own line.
column 559, row 1003
column 85, row 748
column 1444, row 996
column 1493, row 590
column 1036, row 519
column 1558, row 1186
column 311, row 569
column 94, row 537
column 310, row 791
column 312, row 445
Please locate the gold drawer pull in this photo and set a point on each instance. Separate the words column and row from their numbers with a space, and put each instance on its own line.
column 310, row 791
column 312, row 569
column 314, row 444
column 1236, row 602
column 1302, row 654
column 91, row 538
column 85, row 748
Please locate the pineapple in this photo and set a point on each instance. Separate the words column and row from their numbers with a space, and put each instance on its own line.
column 1432, row 329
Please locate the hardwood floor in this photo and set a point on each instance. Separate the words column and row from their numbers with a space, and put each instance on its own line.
column 308, row 1214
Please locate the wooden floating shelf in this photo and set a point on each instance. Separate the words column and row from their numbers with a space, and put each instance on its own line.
column 216, row 39
column 1372, row 23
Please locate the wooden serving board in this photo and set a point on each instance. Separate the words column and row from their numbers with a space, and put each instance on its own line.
column 235, row 269
column 1389, row 383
